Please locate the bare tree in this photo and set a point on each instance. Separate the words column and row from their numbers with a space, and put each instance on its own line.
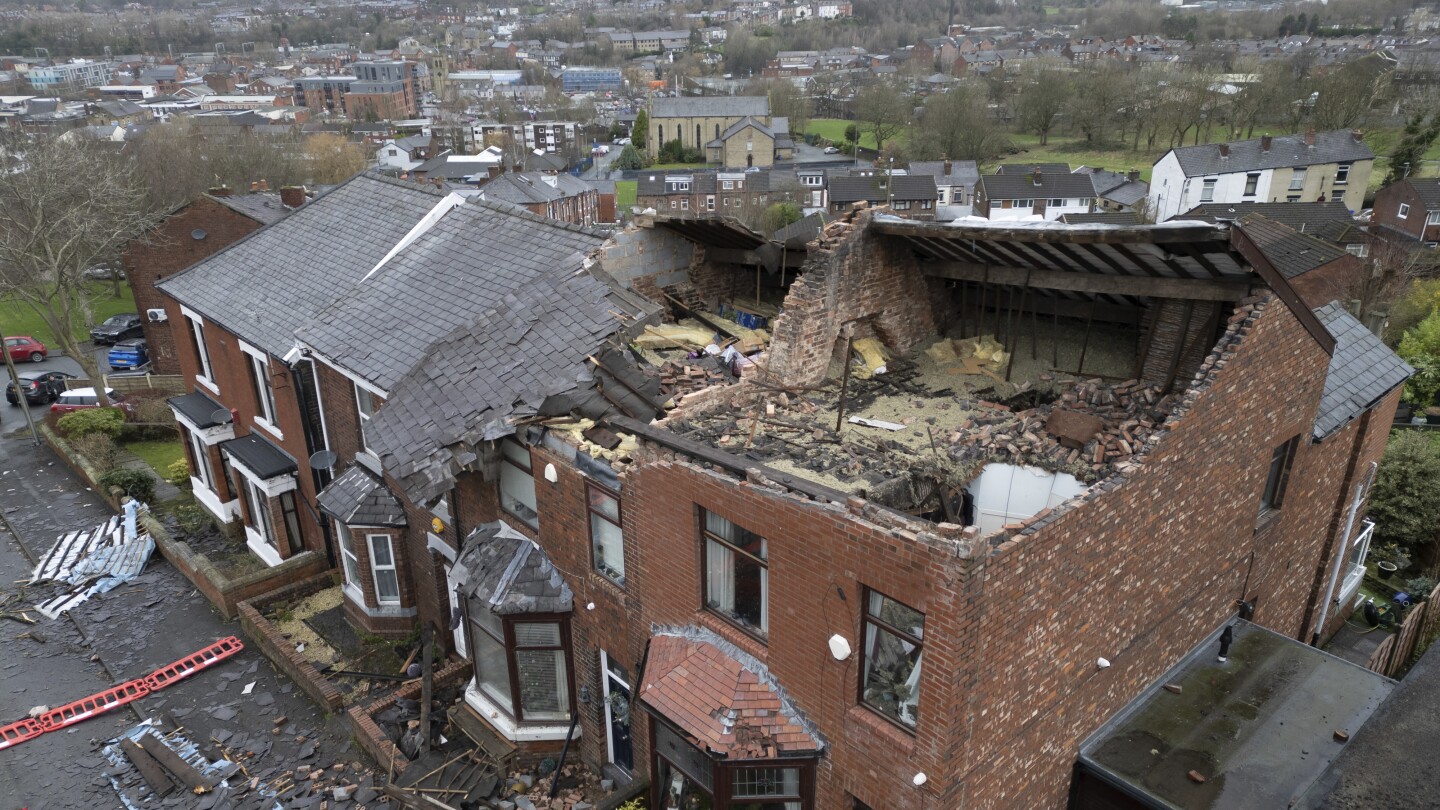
column 958, row 125
column 884, row 106
column 66, row 208
column 1347, row 92
column 1045, row 89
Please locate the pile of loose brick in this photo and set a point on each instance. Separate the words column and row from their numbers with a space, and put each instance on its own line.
column 1125, row 417
column 678, row 379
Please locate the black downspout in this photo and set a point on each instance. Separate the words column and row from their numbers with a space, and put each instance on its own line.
column 555, row 782
column 303, row 400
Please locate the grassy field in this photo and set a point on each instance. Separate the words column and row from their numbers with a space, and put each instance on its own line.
column 833, row 129
column 1077, row 153
column 158, row 454
column 17, row 318
column 625, row 193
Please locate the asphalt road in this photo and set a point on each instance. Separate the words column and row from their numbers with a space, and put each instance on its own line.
column 148, row 623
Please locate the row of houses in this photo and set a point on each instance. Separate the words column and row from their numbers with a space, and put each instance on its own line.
column 444, row 396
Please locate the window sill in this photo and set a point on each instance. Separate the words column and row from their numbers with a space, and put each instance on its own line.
column 1267, row 521
column 496, row 718
column 262, row 549
column 208, row 498
column 269, row 428
column 205, row 381
column 901, row 738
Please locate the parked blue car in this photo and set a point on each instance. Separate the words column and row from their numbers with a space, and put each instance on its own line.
column 129, row 355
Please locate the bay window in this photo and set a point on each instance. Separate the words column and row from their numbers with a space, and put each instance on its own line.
column 687, row 778
column 348, row 557
column 259, row 505
column 517, row 483
column 890, row 658
column 737, row 576
column 382, row 568
column 522, row 663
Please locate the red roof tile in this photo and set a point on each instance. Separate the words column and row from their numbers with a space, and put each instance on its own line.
column 717, row 700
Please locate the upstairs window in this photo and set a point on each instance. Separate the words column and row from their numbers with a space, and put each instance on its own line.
column 197, row 342
column 1432, row 218
column 890, row 665
column 517, row 483
column 1404, row 211
column 607, row 543
column 1342, row 174
column 365, row 411
column 1252, row 184
column 1207, row 191
column 1297, row 178
column 737, row 574
column 1278, row 476
column 259, row 368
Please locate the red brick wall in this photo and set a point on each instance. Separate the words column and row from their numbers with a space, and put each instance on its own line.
column 169, row 248
column 869, row 279
column 1140, row 573
column 1386, row 216
column 1339, row 280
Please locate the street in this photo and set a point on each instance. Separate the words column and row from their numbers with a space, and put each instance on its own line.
column 152, row 621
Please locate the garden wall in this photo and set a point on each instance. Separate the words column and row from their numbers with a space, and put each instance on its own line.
column 279, row 649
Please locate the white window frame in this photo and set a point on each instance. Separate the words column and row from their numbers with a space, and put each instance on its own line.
column 529, row 472
column 710, row 202
column 259, row 371
column 376, row 569
column 206, row 377
column 684, row 203
column 1355, row 572
column 1342, row 174
column 727, row 185
column 1404, row 211
column 266, row 546
column 1207, row 190
column 363, row 414
column 1297, row 178
column 1055, row 202
column 1432, row 218
column 812, row 180
column 1360, row 249
column 349, row 562
column 607, row 677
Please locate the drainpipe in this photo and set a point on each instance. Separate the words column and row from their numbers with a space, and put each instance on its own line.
column 303, row 400
column 1340, row 555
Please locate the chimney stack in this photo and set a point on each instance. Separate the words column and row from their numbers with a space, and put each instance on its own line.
column 292, row 196
column 947, row 167
column 1356, row 135
column 219, row 191
column 1310, row 137
column 264, row 186
column 1035, row 176
column 1265, row 143
column 1133, row 175
column 254, row 186
column 1224, row 151
column 495, row 171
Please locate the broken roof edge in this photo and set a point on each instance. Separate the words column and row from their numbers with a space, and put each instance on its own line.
column 753, row 665
column 1248, row 311
column 962, row 541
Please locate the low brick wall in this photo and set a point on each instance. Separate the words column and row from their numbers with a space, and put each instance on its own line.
column 280, row 650
column 225, row 593
column 373, row 739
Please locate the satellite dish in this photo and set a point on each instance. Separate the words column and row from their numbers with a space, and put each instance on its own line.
column 323, row 460
column 222, row 416
column 198, row 233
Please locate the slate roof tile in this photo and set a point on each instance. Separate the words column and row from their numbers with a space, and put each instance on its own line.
column 1362, row 371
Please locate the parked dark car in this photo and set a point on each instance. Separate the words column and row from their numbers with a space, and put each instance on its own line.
column 40, row 387
column 77, row 399
column 128, row 355
column 117, row 328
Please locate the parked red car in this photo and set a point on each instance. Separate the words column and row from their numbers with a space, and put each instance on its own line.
column 80, row 398
column 24, row 347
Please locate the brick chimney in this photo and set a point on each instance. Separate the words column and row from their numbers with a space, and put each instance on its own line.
column 264, row 186
column 254, row 186
column 219, row 191
column 947, row 167
column 1035, row 176
column 1310, row 137
column 1224, row 151
column 1264, row 143
column 292, row 196
column 495, row 171
column 1356, row 135
column 1133, row 175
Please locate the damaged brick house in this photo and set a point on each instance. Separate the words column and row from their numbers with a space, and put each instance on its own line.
column 974, row 461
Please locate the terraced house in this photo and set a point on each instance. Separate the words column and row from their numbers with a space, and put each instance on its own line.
column 974, row 490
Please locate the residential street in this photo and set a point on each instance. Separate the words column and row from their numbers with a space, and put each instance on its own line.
column 124, row 634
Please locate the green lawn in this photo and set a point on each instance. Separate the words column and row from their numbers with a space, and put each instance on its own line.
column 158, row 454
column 1077, row 153
column 17, row 318
column 625, row 193
column 833, row 129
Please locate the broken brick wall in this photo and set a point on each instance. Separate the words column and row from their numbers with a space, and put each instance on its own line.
column 864, row 278
column 1177, row 336
column 1143, row 569
column 649, row 260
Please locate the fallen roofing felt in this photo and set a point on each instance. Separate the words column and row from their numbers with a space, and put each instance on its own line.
column 1258, row 729
column 953, row 417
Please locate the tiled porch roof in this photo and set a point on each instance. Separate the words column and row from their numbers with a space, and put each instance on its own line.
column 358, row 498
column 508, row 573
column 723, row 698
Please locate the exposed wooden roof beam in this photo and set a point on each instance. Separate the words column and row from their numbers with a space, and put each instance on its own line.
column 1179, row 288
